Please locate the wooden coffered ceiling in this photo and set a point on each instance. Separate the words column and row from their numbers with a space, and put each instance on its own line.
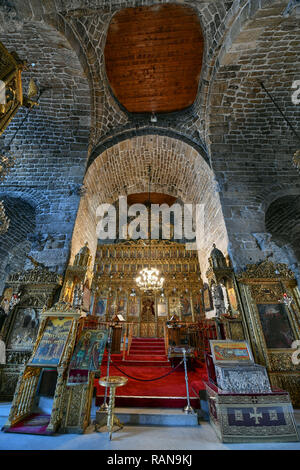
column 153, row 57
column 155, row 198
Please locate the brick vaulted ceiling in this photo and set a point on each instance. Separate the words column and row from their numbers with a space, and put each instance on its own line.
column 153, row 57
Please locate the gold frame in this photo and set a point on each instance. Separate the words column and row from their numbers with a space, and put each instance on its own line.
column 39, row 339
column 265, row 283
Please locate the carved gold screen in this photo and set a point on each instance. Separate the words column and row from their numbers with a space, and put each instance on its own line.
column 115, row 289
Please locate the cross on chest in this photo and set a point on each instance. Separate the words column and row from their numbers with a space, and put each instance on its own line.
column 256, row 415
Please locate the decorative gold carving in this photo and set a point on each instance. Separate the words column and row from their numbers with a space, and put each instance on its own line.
column 266, row 292
column 61, row 306
column 26, row 387
column 115, row 271
column 289, row 382
column 266, row 270
column 234, row 329
column 11, row 68
column 282, row 361
column 57, row 401
column 265, row 283
column 39, row 275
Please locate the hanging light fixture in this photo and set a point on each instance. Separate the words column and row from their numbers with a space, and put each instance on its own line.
column 150, row 279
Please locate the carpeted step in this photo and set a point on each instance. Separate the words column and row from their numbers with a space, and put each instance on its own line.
column 148, row 340
column 146, row 357
column 147, row 352
column 152, row 402
column 145, row 363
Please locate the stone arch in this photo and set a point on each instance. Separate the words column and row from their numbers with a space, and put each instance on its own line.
column 128, row 133
column 34, row 198
column 177, row 170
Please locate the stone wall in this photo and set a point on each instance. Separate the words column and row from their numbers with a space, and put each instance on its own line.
column 51, row 145
column 250, row 143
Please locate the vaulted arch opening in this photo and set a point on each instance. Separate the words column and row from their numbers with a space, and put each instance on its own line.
column 178, row 171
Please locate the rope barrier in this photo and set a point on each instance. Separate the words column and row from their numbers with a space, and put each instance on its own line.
column 147, row 380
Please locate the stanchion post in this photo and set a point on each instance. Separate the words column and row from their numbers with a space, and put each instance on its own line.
column 188, row 409
column 104, row 406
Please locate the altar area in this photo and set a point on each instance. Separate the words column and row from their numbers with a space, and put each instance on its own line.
column 115, row 290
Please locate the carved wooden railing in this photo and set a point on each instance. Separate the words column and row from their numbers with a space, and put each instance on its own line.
column 124, row 341
column 24, row 395
column 166, row 337
column 130, row 336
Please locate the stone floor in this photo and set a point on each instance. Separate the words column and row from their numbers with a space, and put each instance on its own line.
column 200, row 437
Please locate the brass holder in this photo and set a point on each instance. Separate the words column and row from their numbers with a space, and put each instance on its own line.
column 104, row 406
column 112, row 382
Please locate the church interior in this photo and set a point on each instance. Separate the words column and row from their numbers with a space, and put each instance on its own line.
column 149, row 232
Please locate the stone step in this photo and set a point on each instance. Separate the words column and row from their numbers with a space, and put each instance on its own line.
column 152, row 417
column 148, row 340
column 147, row 351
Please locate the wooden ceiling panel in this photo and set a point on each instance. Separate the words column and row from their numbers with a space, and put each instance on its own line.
column 153, row 57
column 155, row 198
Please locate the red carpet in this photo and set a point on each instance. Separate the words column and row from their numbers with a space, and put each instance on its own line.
column 168, row 392
column 33, row 424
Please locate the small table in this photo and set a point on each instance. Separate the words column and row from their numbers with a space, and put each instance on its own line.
column 175, row 353
column 112, row 382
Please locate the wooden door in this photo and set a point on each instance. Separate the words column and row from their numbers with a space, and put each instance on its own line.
column 148, row 321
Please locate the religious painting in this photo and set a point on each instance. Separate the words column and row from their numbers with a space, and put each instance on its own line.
column 111, row 307
column 122, row 307
column 232, row 298
column 207, row 299
column 186, row 308
column 174, row 305
column 89, row 350
column 162, row 308
column 25, row 328
column 197, row 305
column 230, row 351
column 276, row 326
column 100, row 308
column 86, row 298
column 52, row 343
column 133, row 307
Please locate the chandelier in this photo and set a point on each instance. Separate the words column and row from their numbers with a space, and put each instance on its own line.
column 149, row 279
